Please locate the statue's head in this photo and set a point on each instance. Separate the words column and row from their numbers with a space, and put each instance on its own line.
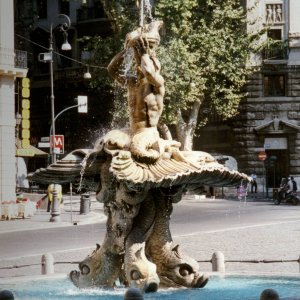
column 141, row 273
column 149, row 32
column 181, row 271
column 100, row 268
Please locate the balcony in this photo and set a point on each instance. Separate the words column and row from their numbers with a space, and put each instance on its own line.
column 276, row 50
column 92, row 21
column 13, row 62
column 89, row 13
column 20, row 59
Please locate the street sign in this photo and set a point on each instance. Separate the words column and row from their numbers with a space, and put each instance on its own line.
column 43, row 145
column 262, row 155
column 82, row 104
column 58, row 146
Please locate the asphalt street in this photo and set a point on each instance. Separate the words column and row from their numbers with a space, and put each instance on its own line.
column 241, row 230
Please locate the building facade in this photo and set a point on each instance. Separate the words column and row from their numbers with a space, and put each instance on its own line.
column 12, row 66
column 33, row 22
column 269, row 118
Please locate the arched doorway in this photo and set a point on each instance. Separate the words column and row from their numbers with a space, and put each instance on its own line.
column 277, row 166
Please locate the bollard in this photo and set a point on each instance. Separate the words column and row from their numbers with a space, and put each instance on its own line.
column 47, row 264
column 133, row 294
column 55, row 211
column 218, row 262
column 85, row 203
column 269, row 294
column 6, row 295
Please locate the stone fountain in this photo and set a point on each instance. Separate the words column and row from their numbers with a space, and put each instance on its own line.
column 138, row 176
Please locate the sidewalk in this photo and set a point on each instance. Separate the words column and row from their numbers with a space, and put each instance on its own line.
column 70, row 216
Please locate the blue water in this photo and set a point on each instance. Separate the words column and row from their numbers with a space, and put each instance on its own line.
column 229, row 288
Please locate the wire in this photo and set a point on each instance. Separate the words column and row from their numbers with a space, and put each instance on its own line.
column 57, row 53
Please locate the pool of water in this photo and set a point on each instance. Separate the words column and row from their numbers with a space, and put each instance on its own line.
column 228, row 288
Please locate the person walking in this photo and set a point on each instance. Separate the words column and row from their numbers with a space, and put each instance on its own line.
column 294, row 184
column 289, row 185
column 253, row 183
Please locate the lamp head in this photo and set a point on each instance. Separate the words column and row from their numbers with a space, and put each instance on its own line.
column 87, row 75
column 66, row 46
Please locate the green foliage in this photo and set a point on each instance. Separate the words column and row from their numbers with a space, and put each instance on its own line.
column 203, row 53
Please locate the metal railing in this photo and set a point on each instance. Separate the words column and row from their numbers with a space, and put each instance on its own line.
column 13, row 58
column 20, row 59
column 276, row 52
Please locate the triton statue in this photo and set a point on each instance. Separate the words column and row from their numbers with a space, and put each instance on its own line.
column 141, row 177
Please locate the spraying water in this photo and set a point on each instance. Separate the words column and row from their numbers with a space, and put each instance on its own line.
column 127, row 69
column 145, row 12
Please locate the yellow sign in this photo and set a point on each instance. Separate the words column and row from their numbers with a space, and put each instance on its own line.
column 25, row 92
column 25, row 152
column 25, row 103
column 25, row 143
column 25, row 134
column 25, row 124
column 25, row 114
column 25, row 82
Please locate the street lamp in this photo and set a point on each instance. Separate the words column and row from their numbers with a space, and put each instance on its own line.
column 66, row 47
column 48, row 57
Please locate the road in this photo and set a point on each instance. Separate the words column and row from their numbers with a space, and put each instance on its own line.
column 189, row 218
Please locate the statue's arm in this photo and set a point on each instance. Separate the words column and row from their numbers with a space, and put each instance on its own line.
column 150, row 68
column 114, row 67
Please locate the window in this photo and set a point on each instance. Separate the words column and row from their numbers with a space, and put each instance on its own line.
column 42, row 9
column 276, row 48
column 275, row 34
column 274, row 85
column 64, row 7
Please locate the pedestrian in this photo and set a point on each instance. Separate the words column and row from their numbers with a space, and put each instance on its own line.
column 253, row 183
column 294, row 183
column 212, row 192
column 6, row 295
column 289, row 185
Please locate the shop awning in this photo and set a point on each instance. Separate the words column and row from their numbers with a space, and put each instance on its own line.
column 28, row 152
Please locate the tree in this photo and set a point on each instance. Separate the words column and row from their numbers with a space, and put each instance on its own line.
column 203, row 56
column 204, row 59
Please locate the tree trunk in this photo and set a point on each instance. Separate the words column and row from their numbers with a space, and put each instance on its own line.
column 164, row 131
column 185, row 130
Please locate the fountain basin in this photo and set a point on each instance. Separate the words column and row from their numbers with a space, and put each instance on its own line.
column 229, row 287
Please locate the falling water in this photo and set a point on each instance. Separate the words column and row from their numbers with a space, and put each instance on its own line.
column 145, row 12
column 127, row 64
column 83, row 167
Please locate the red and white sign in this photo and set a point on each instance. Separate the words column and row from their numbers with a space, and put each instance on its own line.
column 58, row 146
column 262, row 155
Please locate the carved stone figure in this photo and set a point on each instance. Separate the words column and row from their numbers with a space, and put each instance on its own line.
column 139, row 178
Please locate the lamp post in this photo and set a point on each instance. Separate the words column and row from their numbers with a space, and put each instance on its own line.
column 48, row 57
column 18, row 123
column 65, row 46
